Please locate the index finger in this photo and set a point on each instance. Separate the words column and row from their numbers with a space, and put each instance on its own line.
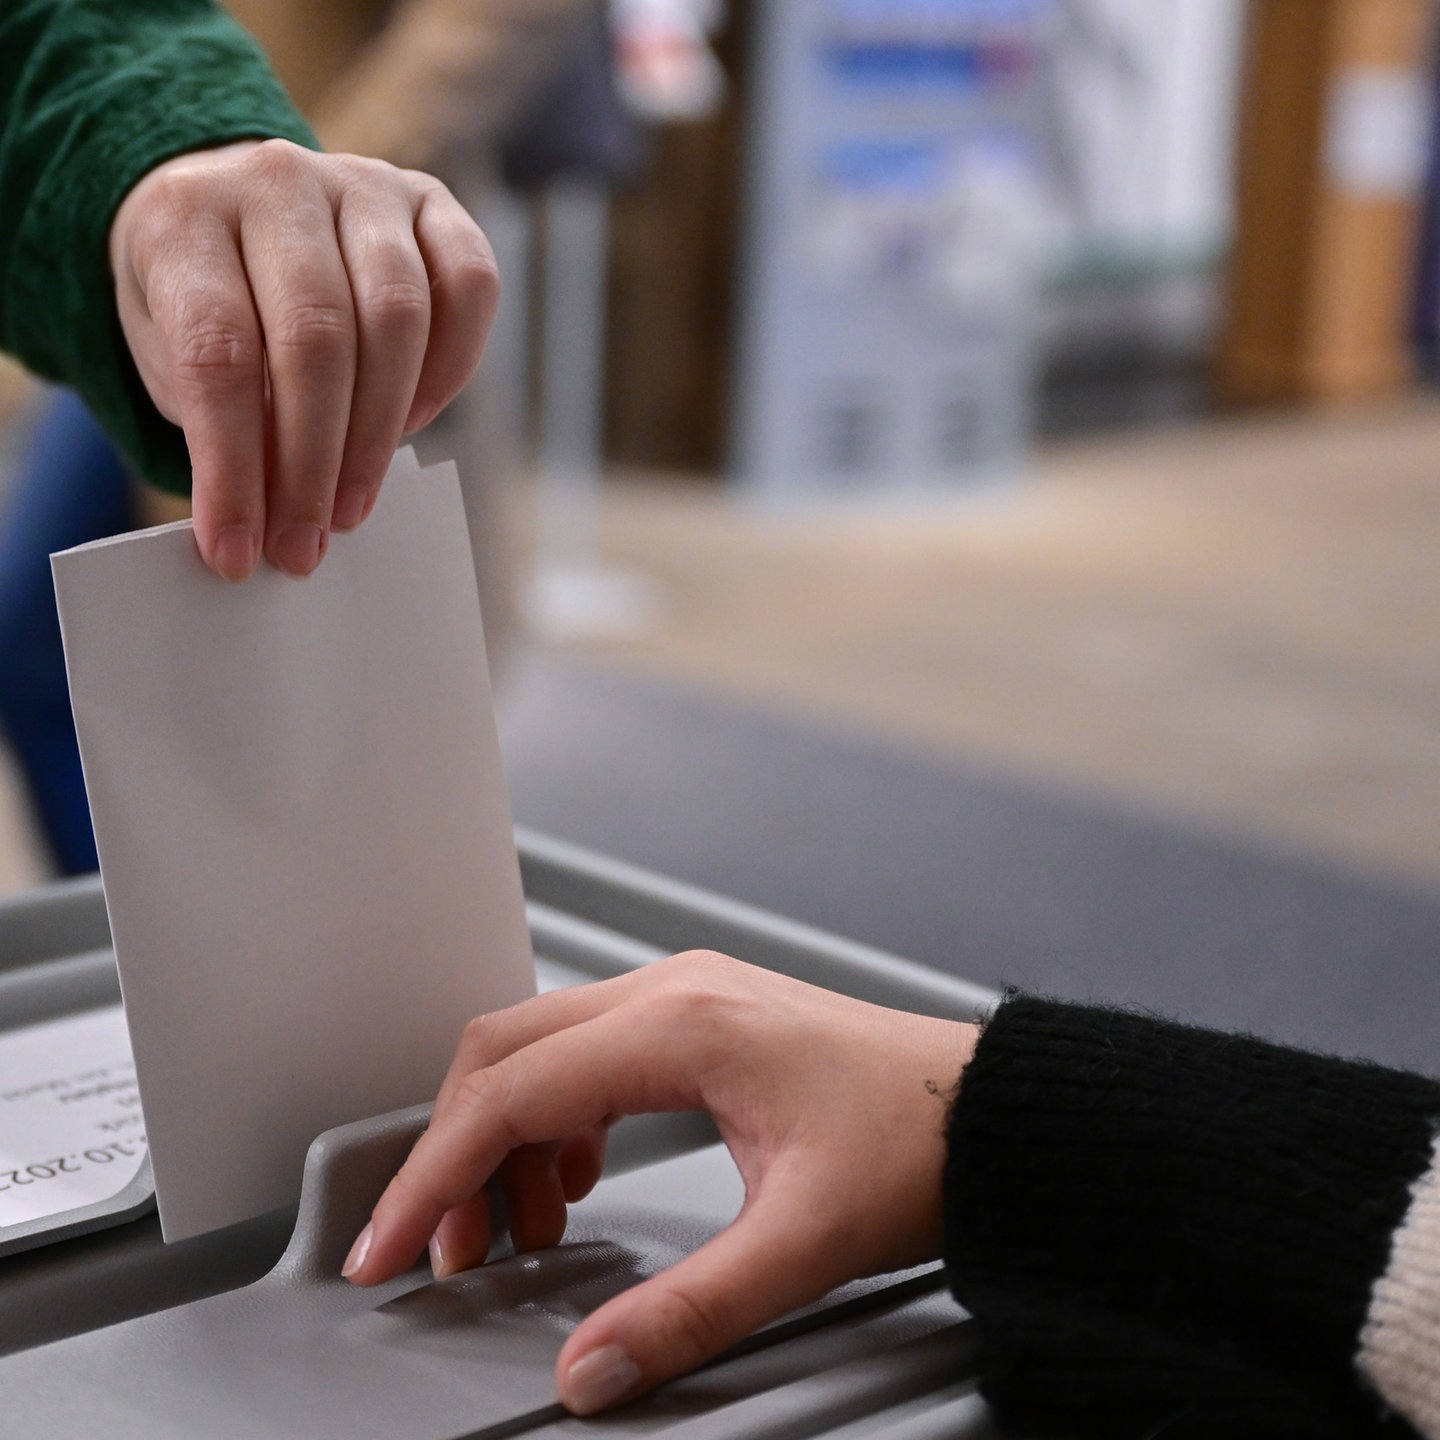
column 561, row 1084
column 205, row 312
column 494, row 1036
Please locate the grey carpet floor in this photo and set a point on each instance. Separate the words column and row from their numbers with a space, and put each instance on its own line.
column 990, row 877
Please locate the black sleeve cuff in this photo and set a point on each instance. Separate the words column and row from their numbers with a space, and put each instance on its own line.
column 1147, row 1218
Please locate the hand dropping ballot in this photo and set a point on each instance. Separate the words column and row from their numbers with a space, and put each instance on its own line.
column 303, row 831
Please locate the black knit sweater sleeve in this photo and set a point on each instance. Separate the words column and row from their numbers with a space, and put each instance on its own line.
column 1170, row 1232
column 93, row 94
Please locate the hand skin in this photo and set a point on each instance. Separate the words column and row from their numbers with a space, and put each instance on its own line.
column 834, row 1111
column 296, row 314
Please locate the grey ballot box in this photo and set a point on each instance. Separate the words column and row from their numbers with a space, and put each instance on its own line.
column 250, row 1332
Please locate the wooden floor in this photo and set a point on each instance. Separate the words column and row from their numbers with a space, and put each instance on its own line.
column 1238, row 622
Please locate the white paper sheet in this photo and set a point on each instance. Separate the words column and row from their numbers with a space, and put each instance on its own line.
column 71, row 1128
column 303, row 831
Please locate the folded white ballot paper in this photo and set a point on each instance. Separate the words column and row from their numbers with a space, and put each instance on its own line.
column 303, row 831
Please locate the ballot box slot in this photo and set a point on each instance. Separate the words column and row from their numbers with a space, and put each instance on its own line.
column 858, row 1395
column 812, row 1404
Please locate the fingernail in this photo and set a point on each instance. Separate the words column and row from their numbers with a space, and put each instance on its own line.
column 600, row 1379
column 358, row 1251
column 438, row 1266
column 235, row 552
column 420, row 416
column 298, row 549
column 350, row 506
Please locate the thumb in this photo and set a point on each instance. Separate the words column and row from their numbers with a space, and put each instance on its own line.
column 773, row 1258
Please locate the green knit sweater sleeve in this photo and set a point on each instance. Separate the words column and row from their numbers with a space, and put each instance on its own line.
column 93, row 94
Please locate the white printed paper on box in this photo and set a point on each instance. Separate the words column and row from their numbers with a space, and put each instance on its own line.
column 303, row 831
column 71, row 1130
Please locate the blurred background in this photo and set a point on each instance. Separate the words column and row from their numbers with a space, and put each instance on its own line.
column 965, row 473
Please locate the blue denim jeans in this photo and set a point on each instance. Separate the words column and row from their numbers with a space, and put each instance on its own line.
column 71, row 488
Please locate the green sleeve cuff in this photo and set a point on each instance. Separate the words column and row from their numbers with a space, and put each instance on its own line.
column 101, row 93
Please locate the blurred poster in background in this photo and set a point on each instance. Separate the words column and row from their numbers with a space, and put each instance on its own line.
column 944, row 195
column 1139, row 131
column 1139, row 135
column 890, row 256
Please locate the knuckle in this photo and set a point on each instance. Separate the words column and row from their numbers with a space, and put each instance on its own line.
column 474, row 271
column 398, row 304
column 704, row 960
column 215, row 350
column 278, row 162
column 409, row 1187
column 484, row 1099
column 475, row 1037
column 315, row 326
column 418, row 1188
column 481, row 1092
column 705, row 995
column 706, row 972
column 425, row 186
column 170, row 197
column 689, row 1008
column 467, row 267
column 699, row 1325
column 351, row 168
